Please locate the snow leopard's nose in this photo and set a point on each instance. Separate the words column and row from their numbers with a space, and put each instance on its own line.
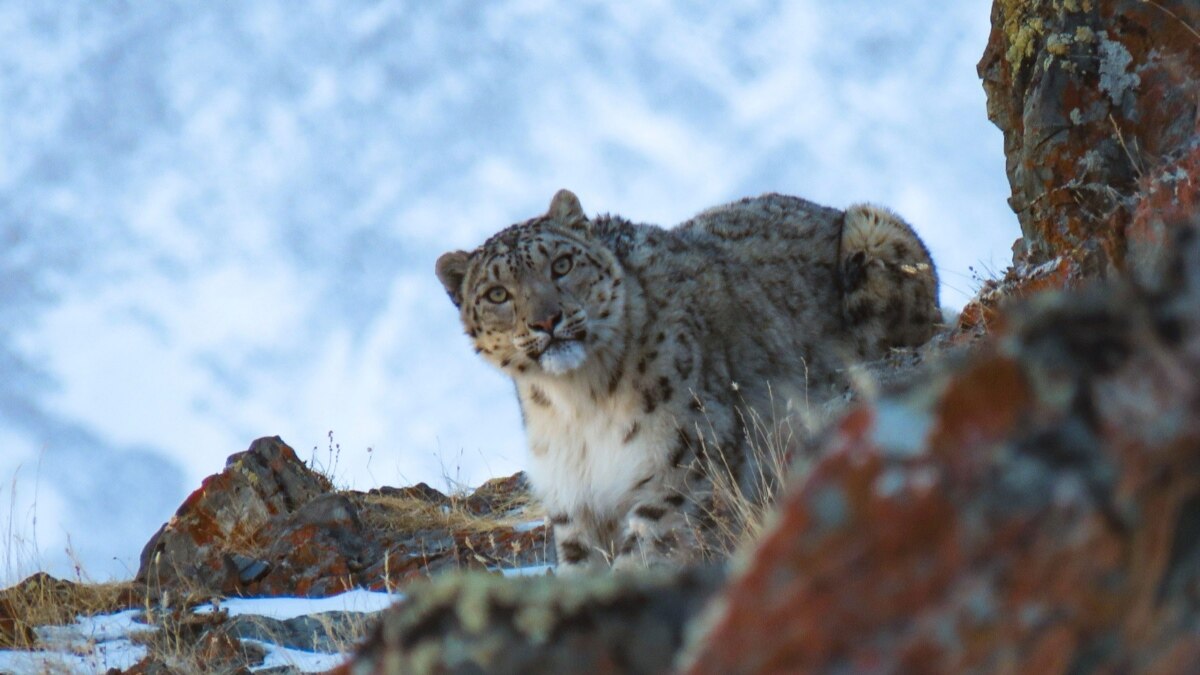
column 547, row 323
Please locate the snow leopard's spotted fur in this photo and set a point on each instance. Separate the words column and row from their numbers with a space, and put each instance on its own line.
column 638, row 352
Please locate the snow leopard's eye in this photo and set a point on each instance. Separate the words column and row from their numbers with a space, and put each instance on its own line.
column 497, row 295
column 561, row 265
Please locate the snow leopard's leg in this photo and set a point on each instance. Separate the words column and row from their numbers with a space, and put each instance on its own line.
column 889, row 285
column 577, row 542
column 672, row 517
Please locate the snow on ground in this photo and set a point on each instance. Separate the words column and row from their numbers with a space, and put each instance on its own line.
column 284, row 608
column 305, row 662
column 529, row 525
column 92, row 644
column 97, row 643
column 531, row 571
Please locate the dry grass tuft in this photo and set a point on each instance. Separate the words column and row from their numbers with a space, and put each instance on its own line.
column 42, row 600
column 409, row 512
column 740, row 510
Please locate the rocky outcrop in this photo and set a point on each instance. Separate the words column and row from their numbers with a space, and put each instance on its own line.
column 212, row 542
column 269, row 525
column 1098, row 101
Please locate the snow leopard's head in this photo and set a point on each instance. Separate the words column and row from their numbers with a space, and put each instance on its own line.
column 542, row 296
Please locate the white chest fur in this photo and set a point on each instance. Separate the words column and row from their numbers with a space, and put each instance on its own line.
column 584, row 455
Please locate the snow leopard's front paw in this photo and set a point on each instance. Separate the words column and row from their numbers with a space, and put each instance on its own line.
column 655, row 536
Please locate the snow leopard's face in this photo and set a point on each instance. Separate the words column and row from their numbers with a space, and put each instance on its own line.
column 538, row 297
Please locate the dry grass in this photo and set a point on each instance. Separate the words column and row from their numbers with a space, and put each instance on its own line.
column 42, row 600
column 410, row 513
column 183, row 642
column 740, row 510
column 484, row 529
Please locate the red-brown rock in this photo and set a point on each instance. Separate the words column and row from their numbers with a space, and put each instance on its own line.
column 319, row 550
column 268, row 525
column 1097, row 100
column 201, row 549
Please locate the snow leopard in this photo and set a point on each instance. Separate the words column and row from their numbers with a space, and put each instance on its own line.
column 640, row 353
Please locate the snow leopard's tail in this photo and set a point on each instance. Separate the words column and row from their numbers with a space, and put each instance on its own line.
column 889, row 285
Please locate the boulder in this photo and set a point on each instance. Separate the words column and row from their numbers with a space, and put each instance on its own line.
column 218, row 530
column 420, row 491
column 269, row 525
column 317, row 550
column 499, row 496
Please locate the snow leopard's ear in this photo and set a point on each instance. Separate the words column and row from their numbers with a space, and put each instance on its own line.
column 565, row 209
column 451, row 269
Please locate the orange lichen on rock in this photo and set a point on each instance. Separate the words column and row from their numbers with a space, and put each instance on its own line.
column 1103, row 95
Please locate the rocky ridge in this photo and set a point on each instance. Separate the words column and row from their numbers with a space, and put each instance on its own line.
column 268, row 525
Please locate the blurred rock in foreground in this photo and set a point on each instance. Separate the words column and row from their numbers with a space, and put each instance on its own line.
column 604, row 624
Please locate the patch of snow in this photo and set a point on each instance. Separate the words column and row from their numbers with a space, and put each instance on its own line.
column 284, row 608
column 98, row 658
column 93, row 644
column 100, row 628
column 528, row 526
column 305, row 662
column 100, row 643
column 531, row 571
